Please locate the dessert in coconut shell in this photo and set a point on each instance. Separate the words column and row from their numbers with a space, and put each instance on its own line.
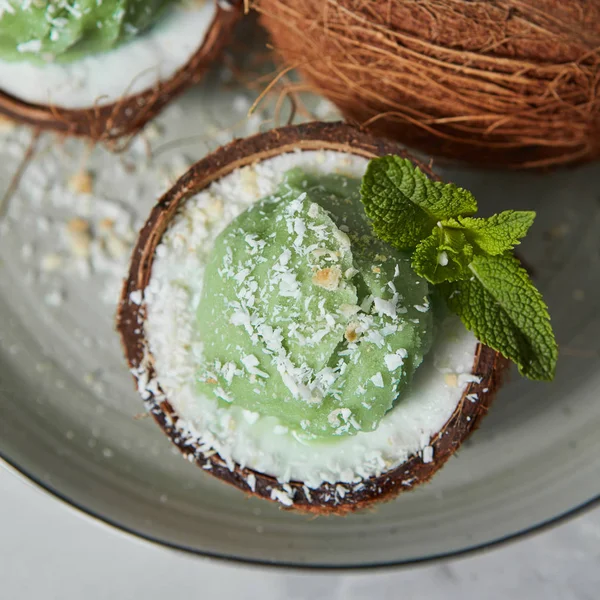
column 259, row 454
column 104, row 92
column 494, row 82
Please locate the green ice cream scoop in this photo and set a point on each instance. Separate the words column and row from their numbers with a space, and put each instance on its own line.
column 305, row 316
column 47, row 30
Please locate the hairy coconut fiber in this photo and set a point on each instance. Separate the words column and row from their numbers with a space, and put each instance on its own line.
column 498, row 82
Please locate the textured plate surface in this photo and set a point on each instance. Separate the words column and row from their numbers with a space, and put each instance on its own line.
column 69, row 417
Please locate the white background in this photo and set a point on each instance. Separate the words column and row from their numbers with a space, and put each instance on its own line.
column 50, row 551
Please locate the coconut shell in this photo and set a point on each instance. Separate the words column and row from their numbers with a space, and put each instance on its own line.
column 108, row 122
column 488, row 365
column 512, row 83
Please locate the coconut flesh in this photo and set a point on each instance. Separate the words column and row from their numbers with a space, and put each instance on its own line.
column 104, row 78
column 512, row 83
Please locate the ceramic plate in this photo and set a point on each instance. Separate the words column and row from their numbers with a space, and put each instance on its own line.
column 70, row 419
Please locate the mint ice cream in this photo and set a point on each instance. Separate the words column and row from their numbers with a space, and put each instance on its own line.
column 64, row 30
column 305, row 316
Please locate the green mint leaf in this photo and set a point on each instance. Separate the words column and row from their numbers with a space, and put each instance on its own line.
column 404, row 204
column 443, row 256
column 497, row 234
column 500, row 304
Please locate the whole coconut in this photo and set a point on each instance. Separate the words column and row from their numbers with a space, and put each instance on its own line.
column 497, row 82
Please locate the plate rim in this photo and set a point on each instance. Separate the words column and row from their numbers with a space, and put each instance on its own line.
column 112, row 525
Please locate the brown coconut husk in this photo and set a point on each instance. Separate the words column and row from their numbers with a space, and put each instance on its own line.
column 327, row 499
column 126, row 117
column 511, row 83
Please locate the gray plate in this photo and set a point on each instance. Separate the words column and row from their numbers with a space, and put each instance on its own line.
column 67, row 405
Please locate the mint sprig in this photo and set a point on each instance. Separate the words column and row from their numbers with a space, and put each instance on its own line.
column 470, row 258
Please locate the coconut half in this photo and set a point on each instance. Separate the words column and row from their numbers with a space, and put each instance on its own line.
column 108, row 95
column 426, row 433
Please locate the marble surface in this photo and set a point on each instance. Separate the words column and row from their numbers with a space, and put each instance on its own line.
column 50, row 551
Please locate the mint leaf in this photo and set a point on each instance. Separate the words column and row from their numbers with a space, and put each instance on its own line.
column 404, row 204
column 497, row 234
column 443, row 256
column 500, row 304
